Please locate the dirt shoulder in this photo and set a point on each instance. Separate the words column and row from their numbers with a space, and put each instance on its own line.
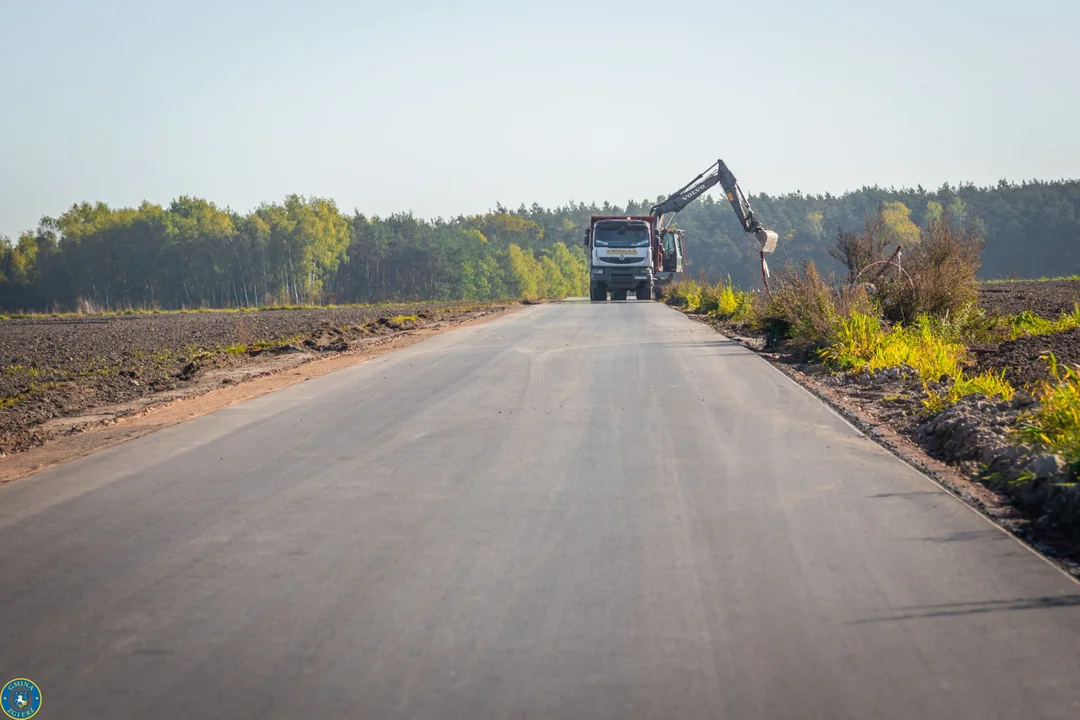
column 154, row 384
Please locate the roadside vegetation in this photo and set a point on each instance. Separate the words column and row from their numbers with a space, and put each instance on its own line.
column 721, row 301
column 1055, row 422
column 917, row 328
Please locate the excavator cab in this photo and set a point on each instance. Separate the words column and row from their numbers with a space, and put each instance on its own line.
column 672, row 244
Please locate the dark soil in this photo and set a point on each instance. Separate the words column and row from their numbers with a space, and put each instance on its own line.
column 1048, row 298
column 1022, row 361
column 63, row 367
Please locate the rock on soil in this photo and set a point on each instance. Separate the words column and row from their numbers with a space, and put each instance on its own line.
column 974, row 429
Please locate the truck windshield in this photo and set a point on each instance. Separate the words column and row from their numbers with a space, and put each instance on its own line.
column 621, row 236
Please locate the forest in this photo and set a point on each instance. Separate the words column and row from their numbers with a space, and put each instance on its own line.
column 304, row 250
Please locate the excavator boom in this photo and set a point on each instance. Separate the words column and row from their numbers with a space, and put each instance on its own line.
column 719, row 173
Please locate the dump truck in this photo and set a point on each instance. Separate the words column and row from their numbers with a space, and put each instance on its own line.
column 642, row 253
column 625, row 256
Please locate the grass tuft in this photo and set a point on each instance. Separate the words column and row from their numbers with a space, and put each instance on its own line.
column 721, row 301
column 988, row 384
column 1001, row 281
column 863, row 344
column 1028, row 323
column 1055, row 422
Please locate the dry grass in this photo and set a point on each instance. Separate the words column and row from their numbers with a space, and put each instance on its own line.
column 805, row 309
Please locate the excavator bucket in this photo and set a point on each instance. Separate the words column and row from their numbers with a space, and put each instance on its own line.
column 767, row 239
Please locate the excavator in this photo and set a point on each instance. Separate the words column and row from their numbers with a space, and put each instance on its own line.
column 642, row 253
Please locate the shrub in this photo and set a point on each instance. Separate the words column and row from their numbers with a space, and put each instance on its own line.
column 941, row 274
column 720, row 300
column 685, row 294
column 733, row 303
column 805, row 309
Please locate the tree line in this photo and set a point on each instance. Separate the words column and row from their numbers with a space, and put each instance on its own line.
column 303, row 250
column 193, row 253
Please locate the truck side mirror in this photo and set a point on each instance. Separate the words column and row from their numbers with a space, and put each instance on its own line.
column 588, row 236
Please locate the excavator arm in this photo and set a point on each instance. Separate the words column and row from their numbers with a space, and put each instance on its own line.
column 719, row 173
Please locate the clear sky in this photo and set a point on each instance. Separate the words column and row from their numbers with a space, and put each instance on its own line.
column 448, row 107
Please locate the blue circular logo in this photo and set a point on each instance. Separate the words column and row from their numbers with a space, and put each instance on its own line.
column 20, row 699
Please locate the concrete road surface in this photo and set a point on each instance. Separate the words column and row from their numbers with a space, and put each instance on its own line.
column 577, row 511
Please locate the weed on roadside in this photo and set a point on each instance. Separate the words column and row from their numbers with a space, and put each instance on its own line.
column 862, row 344
column 988, row 384
column 1055, row 422
column 1028, row 323
column 1001, row 281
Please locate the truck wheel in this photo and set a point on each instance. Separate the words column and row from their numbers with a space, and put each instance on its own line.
column 597, row 293
column 618, row 295
column 644, row 291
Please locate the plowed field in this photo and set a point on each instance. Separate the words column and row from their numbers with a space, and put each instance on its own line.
column 58, row 367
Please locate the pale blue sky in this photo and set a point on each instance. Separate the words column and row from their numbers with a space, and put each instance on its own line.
column 448, row 107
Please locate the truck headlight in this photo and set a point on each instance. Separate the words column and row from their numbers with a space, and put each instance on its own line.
column 598, row 271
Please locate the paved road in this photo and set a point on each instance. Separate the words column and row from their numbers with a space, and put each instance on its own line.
column 577, row 511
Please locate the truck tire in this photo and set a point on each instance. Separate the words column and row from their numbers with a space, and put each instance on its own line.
column 618, row 295
column 597, row 293
column 645, row 292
